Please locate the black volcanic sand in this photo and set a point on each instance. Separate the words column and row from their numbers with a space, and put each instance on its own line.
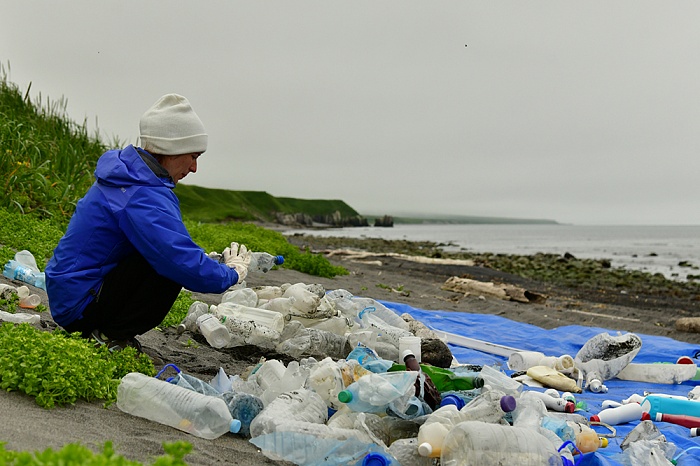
column 638, row 306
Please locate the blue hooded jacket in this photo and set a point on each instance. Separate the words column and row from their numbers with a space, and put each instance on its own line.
column 130, row 208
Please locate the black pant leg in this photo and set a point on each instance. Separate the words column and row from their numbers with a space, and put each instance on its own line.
column 133, row 299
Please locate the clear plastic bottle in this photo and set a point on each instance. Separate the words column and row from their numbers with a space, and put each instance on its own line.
column 20, row 317
column 189, row 323
column 315, row 342
column 263, row 262
column 193, row 383
column 476, row 442
column 405, row 450
column 326, row 379
column 491, row 406
column 270, row 319
column 299, row 406
column 157, row 400
column 244, row 407
column 245, row 332
column 214, row 331
column 15, row 270
column 373, row 393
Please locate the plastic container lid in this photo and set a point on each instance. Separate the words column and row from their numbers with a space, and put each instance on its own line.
column 478, row 382
column 375, row 459
column 425, row 449
column 345, row 396
column 646, row 417
column 452, row 400
column 235, row 426
column 603, row 442
column 595, row 418
column 508, row 403
column 407, row 353
column 570, row 407
column 279, row 260
column 694, row 431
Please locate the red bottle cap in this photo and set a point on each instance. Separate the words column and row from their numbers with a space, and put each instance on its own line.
column 684, row 360
column 595, row 418
column 646, row 417
column 570, row 407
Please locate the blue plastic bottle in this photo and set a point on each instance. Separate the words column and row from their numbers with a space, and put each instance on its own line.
column 654, row 404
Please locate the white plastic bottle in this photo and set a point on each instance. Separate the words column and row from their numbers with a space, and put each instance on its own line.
column 157, row 400
column 263, row 262
column 300, row 406
column 620, row 414
column 214, row 331
column 197, row 309
column 554, row 404
column 475, row 442
column 20, row 317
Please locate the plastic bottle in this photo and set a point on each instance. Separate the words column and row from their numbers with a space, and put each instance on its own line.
column 554, row 404
column 405, row 450
column 196, row 309
column 425, row 388
column 374, row 393
column 193, row 383
column 300, row 406
column 27, row 300
column 15, row 270
column 679, row 419
column 378, row 459
column 594, row 383
column 263, row 262
column 245, row 332
column 270, row 319
column 214, row 331
column 619, row 415
column 326, row 379
column 20, row 317
column 475, row 442
column 154, row 399
column 244, row 407
column 654, row 404
column 498, row 380
column 315, row 342
column 491, row 406
column 587, row 440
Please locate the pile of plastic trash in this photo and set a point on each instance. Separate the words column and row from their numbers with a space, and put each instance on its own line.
column 357, row 393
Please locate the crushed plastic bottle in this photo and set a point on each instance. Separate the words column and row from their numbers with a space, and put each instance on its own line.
column 476, row 442
column 263, row 262
column 374, row 393
column 157, row 400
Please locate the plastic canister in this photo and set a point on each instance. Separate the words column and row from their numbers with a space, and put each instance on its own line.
column 410, row 343
column 588, row 440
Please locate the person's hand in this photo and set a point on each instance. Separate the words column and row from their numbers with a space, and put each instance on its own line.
column 238, row 258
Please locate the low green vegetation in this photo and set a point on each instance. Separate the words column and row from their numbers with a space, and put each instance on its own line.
column 75, row 454
column 58, row 369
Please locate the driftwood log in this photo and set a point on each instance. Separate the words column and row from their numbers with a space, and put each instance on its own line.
column 495, row 290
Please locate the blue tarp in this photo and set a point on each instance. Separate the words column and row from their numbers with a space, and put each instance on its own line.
column 569, row 340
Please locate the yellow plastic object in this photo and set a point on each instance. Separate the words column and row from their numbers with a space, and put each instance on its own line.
column 551, row 377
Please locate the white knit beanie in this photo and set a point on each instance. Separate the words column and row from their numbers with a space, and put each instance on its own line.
column 171, row 127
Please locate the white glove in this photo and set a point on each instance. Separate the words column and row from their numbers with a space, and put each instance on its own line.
column 238, row 258
column 215, row 255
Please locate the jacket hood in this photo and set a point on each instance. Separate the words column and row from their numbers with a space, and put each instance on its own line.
column 129, row 167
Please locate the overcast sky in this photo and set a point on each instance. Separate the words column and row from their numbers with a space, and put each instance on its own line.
column 580, row 112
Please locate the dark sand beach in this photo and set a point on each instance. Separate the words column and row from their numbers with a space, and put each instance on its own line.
column 26, row 426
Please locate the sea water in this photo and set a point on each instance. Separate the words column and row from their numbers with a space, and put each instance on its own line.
column 653, row 249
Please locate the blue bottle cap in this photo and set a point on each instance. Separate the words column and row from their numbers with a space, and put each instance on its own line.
column 375, row 459
column 235, row 426
column 279, row 260
column 452, row 400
